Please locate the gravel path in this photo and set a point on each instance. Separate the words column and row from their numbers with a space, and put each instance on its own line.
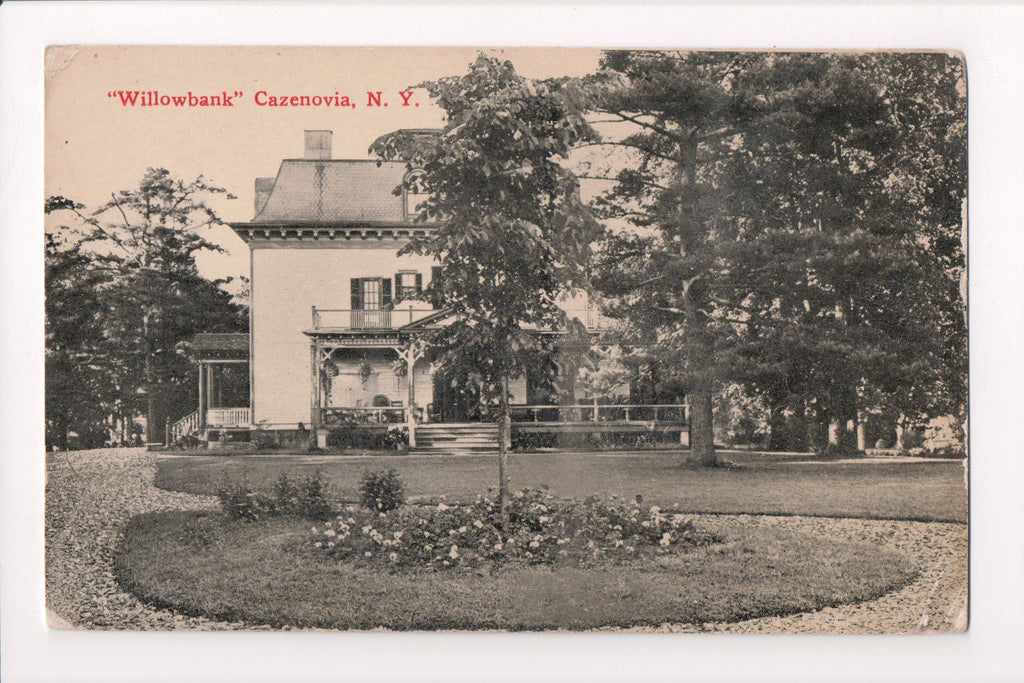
column 91, row 494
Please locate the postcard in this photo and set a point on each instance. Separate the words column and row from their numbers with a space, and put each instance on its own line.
column 487, row 339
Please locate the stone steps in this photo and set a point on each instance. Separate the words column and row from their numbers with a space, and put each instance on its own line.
column 456, row 438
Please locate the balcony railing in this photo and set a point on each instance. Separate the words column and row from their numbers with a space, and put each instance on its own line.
column 367, row 319
column 387, row 319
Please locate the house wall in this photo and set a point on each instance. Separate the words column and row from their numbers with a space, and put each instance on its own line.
column 288, row 279
column 350, row 389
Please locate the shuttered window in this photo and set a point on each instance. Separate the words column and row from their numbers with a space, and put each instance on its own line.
column 408, row 285
column 436, row 299
column 371, row 293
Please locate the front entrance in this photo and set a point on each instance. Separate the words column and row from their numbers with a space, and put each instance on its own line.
column 456, row 397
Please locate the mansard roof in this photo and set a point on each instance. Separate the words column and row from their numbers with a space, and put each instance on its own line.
column 334, row 191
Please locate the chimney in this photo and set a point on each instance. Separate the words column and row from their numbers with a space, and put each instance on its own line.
column 318, row 144
column 263, row 189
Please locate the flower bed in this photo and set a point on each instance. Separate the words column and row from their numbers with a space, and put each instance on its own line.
column 542, row 530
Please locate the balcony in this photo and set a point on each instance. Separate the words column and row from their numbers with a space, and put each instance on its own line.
column 390, row 319
column 368, row 319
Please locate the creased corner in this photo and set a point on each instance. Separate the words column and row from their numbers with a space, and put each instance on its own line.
column 58, row 58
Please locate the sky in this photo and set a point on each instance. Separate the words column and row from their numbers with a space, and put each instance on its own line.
column 95, row 145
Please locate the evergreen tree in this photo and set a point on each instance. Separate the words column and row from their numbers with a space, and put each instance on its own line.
column 78, row 397
column 769, row 240
column 141, row 248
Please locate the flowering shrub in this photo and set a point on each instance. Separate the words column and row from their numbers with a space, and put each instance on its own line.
column 542, row 530
column 382, row 490
column 307, row 497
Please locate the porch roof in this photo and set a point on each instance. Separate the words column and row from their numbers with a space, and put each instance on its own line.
column 220, row 345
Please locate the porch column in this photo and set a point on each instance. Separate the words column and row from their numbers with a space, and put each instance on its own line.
column 314, row 392
column 862, row 436
column 202, row 396
column 209, row 385
column 410, row 353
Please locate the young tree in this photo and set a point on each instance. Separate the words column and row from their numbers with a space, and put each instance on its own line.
column 513, row 232
column 143, row 243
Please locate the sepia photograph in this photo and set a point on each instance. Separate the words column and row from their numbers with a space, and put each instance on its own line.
column 484, row 339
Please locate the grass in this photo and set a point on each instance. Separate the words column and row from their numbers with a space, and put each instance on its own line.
column 923, row 491
column 204, row 564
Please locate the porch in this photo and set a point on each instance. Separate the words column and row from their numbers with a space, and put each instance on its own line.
column 222, row 387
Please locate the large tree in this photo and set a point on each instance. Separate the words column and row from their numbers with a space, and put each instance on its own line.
column 513, row 233
column 768, row 241
column 141, row 247
column 78, row 397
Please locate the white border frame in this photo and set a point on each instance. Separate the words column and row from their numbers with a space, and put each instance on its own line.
column 991, row 39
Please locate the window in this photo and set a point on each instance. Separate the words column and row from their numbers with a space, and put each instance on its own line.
column 408, row 285
column 371, row 293
column 415, row 194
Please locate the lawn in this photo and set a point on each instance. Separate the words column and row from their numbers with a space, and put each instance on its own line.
column 924, row 491
column 265, row 572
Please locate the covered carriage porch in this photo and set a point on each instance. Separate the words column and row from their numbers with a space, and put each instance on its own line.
column 222, row 387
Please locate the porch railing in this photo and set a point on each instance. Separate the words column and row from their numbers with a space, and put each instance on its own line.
column 597, row 412
column 227, row 417
column 363, row 415
column 184, row 427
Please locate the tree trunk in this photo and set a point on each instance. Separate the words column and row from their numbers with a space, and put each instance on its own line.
column 64, row 428
column 862, row 431
column 847, row 418
column 152, row 428
column 776, row 431
column 702, row 432
column 901, row 432
column 504, row 427
column 702, row 428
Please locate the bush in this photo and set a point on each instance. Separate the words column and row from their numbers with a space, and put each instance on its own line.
column 314, row 498
column 542, row 530
column 188, row 442
column 350, row 437
column 241, row 502
column 382, row 490
column 951, row 452
column 308, row 498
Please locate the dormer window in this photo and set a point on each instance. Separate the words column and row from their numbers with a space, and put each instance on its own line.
column 414, row 194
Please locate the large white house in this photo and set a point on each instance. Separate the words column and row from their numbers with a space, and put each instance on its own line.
column 337, row 315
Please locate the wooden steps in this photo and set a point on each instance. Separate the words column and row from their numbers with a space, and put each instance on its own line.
column 456, row 438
